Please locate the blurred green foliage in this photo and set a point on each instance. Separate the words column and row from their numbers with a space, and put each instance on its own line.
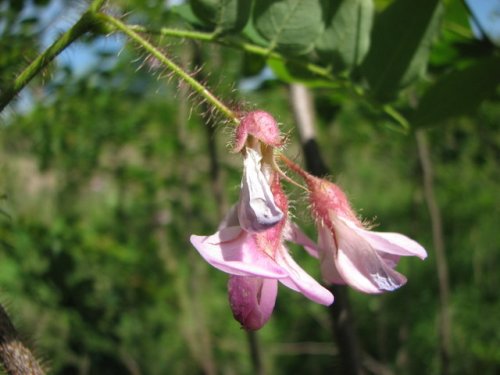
column 105, row 176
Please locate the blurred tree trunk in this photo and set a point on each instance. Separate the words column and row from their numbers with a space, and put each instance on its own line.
column 341, row 314
column 439, row 248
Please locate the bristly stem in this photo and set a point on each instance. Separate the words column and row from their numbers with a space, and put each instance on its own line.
column 293, row 166
column 288, row 162
column 244, row 46
column 318, row 70
column 176, row 69
column 84, row 24
column 91, row 18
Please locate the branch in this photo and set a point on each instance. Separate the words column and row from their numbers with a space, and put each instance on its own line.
column 243, row 46
column 15, row 357
column 84, row 24
column 176, row 69
column 317, row 70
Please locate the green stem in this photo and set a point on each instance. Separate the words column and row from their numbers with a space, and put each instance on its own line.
column 388, row 109
column 176, row 69
column 247, row 47
column 84, row 24
column 318, row 70
column 96, row 5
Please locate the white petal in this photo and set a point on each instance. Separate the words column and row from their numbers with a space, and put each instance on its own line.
column 257, row 210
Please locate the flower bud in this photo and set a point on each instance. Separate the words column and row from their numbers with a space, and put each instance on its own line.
column 260, row 125
column 252, row 300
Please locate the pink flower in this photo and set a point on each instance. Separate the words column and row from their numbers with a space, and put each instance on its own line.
column 249, row 244
column 349, row 252
column 257, row 261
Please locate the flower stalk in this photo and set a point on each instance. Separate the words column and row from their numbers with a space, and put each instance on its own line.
column 317, row 70
column 171, row 65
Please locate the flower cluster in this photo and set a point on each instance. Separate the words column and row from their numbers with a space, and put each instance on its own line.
column 250, row 244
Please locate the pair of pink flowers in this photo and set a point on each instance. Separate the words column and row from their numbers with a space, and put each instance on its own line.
column 250, row 242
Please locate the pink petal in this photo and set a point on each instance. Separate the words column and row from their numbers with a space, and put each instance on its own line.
column 359, row 264
column 252, row 300
column 391, row 243
column 300, row 281
column 327, row 248
column 234, row 251
column 293, row 233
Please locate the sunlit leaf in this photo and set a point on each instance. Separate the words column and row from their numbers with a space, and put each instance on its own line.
column 224, row 15
column 292, row 72
column 186, row 13
column 458, row 93
column 289, row 25
column 401, row 41
column 346, row 38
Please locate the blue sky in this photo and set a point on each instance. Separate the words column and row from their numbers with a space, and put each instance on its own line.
column 487, row 12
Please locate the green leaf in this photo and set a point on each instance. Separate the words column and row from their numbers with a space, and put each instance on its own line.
column 399, row 50
column 346, row 38
column 458, row 93
column 225, row 15
column 185, row 12
column 455, row 36
column 289, row 25
column 292, row 72
column 251, row 33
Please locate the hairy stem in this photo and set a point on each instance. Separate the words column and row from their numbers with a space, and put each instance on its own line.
column 176, row 69
column 14, row 356
column 244, row 46
column 317, row 70
column 84, row 24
